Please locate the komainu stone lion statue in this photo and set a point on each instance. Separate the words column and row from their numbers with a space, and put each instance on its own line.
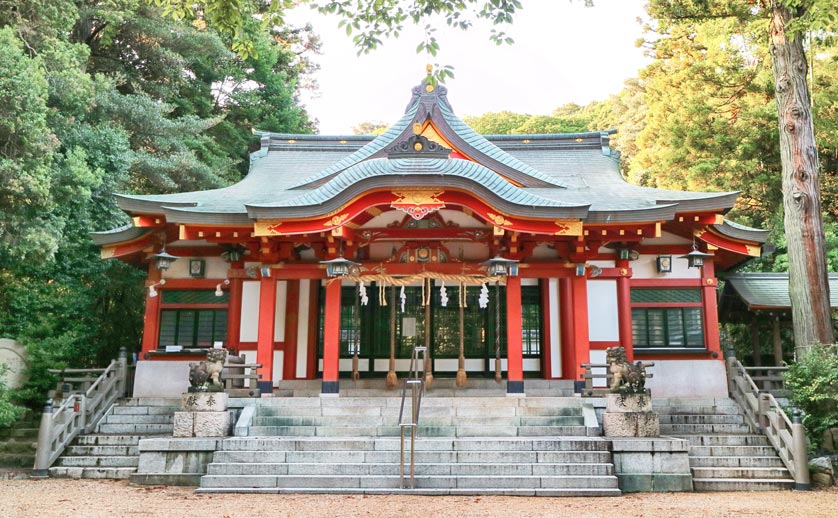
column 205, row 376
column 626, row 378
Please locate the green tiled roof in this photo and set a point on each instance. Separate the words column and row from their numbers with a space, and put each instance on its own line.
column 539, row 175
column 771, row 290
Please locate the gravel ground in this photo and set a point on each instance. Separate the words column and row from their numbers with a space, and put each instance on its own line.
column 93, row 499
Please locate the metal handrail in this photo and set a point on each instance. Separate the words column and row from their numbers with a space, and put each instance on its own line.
column 79, row 412
column 762, row 412
column 416, row 382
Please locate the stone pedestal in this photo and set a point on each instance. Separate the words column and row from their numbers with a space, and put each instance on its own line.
column 204, row 415
column 652, row 464
column 630, row 415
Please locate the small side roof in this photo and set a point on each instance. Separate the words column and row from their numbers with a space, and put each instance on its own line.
column 769, row 291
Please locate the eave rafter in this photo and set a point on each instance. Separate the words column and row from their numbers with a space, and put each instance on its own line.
column 714, row 239
column 214, row 234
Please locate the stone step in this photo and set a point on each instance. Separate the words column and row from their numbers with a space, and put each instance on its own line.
column 373, row 481
column 697, row 410
column 99, row 473
column 111, row 461
column 139, row 419
column 495, row 457
column 749, row 473
column 145, row 410
column 725, row 440
column 17, row 460
column 135, row 429
column 736, row 462
column 421, row 469
column 150, row 402
column 427, row 444
column 557, row 493
column 88, row 451
column 527, row 420
column 735, row 484
column 701, row 419
column 707, row 429
column 732, row 451
column 108, row 440
column 424, row 431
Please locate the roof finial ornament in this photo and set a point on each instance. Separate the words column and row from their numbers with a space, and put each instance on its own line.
column 430, row 82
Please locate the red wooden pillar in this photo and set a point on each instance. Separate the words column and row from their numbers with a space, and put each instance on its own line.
column 566, row 327
column 581, row 340
column 514, row 347
column 234, row 313
column 151, row 318
column 331, row 339
column 711, row 310
column 292, row 311
column 265, row 338
column 624, row 310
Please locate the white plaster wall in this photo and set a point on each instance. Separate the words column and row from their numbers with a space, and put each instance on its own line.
column 646, row 267
column 667, row 238
column 214, row 268
column 161, row 378
column 603, row 323
column 598, row 356
column 249, row 331
column 302, row 328
column 279, row 316
column 279, row 361
column 687, row 378
column 543, row 251
column 555, row 328
column 602, row 263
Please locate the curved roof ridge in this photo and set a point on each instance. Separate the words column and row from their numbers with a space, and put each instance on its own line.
column 419, row 166
column 379, row 143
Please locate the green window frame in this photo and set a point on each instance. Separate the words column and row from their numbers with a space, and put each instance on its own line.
column 532, row 327
column 193, row 319
column 667, row 318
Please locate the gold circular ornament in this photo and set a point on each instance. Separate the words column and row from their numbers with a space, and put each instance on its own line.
column 417, row 146
column 429, row 88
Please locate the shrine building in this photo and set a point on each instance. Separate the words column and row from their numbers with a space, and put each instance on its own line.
column 522, row 256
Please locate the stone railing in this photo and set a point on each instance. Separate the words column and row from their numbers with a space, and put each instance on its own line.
column 80, row 409
column 764, row 413
column 241, row 379
column 601, row 390
column 769, row 379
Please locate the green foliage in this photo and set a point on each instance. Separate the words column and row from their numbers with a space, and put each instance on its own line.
column 9, row 411
column 570, row 118
column 813, row 382
column 103, row 97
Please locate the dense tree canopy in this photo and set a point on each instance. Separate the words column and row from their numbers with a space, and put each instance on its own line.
column 103, row 97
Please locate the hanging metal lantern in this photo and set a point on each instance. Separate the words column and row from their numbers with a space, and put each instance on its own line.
column 695, row 259
column 501, row 267
column 164, row 259
column 339, row 267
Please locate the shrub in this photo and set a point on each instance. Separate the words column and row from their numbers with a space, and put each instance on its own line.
column 813, row 382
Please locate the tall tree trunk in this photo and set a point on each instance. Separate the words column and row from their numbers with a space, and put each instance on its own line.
column 808, row 278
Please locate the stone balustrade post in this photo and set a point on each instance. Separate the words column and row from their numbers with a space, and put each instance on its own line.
column 800, row 452
column 42, row 454
column 764, row 407
column 122, row 372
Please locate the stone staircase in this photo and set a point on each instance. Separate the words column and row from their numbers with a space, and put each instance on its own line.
column 440, row 417
column 465, row 445
column 569, row 466
column 111, row 452
column 18, row 443
column 725, row 453
column 441, row 387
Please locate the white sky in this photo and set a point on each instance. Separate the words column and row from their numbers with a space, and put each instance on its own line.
column 563, row 52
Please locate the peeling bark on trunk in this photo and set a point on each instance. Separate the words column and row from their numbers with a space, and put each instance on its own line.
column 808, row 279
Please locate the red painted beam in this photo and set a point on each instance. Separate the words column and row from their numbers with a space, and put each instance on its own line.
column 624, row 311
column 581, row 337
